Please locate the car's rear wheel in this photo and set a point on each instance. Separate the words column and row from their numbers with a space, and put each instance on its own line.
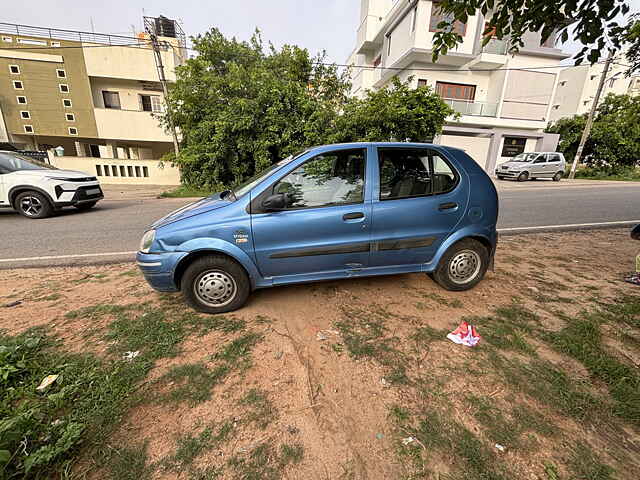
column 85, row 206
column 462, row 266
column 523, row 177
column 215, row 284
column 557, row 177
column 33, row 204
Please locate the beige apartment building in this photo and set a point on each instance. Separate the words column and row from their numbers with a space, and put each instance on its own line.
column 504, row 100
column 577, row 86
column 97, row 96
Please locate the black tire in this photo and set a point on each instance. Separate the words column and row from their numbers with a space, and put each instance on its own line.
column 217, row 276
column 500, row 177
column 85, row 206
column 467, row 250
column 523, row 177
column 557, row 177
column 33, row 204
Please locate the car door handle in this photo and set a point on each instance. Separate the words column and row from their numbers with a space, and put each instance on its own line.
column 352, row 216
column 447, row 206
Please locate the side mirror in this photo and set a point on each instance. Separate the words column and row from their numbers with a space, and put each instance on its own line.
column 275, row 202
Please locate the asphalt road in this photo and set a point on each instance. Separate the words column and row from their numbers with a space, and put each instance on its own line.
column 112, row 230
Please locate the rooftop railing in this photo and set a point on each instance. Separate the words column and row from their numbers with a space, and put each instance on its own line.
column 72, row 35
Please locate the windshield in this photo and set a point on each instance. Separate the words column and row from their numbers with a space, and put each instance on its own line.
column 525, row 157
column 12, row 162
column 245, row 187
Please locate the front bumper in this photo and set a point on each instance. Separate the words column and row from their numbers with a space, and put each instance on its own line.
column 159, row 269
column 507, row 173
column 66, row 197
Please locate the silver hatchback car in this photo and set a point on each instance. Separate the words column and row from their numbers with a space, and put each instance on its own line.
column 526, row 166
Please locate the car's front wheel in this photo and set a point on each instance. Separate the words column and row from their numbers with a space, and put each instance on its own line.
column 523, row 177
column 462, row 266
column 215, row 284
column 33, row 204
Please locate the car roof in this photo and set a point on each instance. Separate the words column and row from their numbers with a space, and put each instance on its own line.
column 321, row 148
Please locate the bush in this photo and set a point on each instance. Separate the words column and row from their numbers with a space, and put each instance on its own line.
column 609, row 173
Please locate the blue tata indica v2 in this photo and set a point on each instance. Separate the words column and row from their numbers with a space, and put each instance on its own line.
column 331, row 212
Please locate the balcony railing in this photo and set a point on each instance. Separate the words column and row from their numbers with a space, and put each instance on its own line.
column 472, row 107
column 495, row 46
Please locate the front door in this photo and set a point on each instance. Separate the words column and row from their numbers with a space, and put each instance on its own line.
column 539, row 166
column 419, row 201
column 325, row 227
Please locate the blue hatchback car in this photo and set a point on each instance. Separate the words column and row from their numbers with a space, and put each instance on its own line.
column 335, row 211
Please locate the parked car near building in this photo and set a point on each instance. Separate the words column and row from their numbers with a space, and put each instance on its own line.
column 336, row 211
column 36, row 189
column 529, row 166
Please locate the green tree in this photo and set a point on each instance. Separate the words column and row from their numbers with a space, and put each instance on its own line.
column 614, row 136
column 396, row 112
column 239, row 108
column 593, row 23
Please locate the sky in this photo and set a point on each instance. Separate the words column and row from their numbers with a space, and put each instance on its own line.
column 317, row 25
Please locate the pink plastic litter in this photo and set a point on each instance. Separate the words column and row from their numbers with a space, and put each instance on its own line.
column 465, row 334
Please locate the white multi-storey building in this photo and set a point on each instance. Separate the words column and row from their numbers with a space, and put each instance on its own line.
column 504, row 100
column 577, row 86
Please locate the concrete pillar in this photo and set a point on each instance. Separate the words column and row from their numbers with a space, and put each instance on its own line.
column 81, row 151
column 492, row 155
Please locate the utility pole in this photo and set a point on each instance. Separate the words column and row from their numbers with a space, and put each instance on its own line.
column 163, row 81
column 587, row 127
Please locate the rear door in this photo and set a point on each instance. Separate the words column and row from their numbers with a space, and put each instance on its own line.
column 419, row 200
column 325, row 227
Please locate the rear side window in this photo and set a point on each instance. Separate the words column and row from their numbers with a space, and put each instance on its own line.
column 554, row 157
column 332, row 178
column 407, row 173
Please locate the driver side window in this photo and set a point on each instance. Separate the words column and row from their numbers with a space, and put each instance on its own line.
column 540, row 159
column 332, row 178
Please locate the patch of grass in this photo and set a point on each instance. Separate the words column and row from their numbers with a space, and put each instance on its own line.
column 439, row 299
column 365, row 335
column 264, row 462
column 79, row 409
column 499, row 428
column 201, row 325
column 151, row 333
column 191, row 383
column 585, row 465
column 238, row 351
column 94, row 312
column 262, row 410
column 184, row 191
column 48, row 298
column 291, row 454
column 435, row 431
column 582, row 340
column 190, row 447
column 129, row 463
column 542, row 381
column 625, row 309
column 508, row 327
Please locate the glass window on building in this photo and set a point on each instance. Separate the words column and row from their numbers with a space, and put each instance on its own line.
column 513, row 146
column 111, row 99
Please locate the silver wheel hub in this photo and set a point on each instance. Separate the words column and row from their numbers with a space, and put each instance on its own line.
column 31, row 205
column 215, row 288
column 464, row 267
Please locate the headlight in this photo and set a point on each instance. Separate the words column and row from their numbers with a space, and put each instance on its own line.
column 147, row 240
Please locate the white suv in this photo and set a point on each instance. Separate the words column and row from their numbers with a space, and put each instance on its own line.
column 36, row 189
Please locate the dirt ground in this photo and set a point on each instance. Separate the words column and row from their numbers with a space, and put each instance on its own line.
column 354, row 370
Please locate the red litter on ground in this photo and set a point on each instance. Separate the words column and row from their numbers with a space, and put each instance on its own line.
column 465, row 334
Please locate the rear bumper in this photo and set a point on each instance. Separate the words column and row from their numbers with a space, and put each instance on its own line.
column 159, row 269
